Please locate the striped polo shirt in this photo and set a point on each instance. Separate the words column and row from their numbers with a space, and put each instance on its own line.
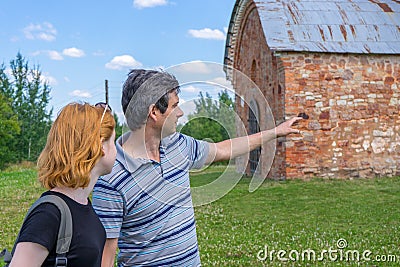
column 147, row 204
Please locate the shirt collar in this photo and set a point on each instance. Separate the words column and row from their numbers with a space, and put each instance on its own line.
column 129, row 163
column 132, row 164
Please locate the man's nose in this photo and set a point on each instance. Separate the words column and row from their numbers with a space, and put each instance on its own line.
column 179, row 112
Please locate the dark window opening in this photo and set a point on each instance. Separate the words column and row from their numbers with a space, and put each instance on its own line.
column 254, row 127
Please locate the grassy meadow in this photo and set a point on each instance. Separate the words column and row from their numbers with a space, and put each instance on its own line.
column 286, row 223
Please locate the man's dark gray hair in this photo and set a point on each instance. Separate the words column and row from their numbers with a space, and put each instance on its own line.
column 142, row 89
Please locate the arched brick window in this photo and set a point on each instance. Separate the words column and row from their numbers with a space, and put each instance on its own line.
column 254, row 127
column 253, row 72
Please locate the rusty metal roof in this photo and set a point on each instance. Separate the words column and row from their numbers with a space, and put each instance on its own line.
column 337, row 26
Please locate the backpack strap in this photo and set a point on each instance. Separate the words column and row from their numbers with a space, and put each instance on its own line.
column 6, row 255
column 65, row 230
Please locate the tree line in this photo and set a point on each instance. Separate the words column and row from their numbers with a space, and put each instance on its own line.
column 213, row 120
column 25, row 118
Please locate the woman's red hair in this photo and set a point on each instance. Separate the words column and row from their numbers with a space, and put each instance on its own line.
column 74, row 145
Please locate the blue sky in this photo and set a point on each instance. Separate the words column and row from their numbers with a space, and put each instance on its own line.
column 80, row 44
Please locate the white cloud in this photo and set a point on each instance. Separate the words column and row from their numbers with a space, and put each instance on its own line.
column 98, row 53
column 123, row 62
column 197, row 67
column 80, row 93
column 44, row 31
column 222, row 81
column 189, row 89
column 73, row 52
column 44, row 77
column 50, row 80
column 207, row 33
column 54, row 55
column 139, row 4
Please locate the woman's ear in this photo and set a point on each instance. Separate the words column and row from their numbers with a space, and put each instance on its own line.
column 102, row 146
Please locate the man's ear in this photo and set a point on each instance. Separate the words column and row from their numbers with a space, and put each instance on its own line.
column 153, row 111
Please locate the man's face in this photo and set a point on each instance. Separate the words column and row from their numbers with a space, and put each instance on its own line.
column 172, row 114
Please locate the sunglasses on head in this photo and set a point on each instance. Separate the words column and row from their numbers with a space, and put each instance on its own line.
column 105, row 106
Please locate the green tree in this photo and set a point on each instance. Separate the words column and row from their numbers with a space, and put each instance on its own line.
column 30, row 97
column 212, row 120
column 118, row 127
column 226, row 114
column 9, row 129
column 5, row 86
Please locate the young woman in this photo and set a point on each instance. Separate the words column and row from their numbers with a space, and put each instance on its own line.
column 80, row 148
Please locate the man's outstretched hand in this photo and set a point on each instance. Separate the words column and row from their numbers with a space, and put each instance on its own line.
column 285, row 128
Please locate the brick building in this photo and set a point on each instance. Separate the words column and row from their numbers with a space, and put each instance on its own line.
column 339, row 62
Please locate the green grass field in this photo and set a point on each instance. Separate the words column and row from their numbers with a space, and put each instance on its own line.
column 288, row 220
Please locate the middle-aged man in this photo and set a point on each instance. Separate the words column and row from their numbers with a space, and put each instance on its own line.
column 145, row 203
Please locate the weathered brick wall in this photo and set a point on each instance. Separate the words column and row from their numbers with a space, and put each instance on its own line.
column 352, row 100
column 353, row 103
column 257, row 63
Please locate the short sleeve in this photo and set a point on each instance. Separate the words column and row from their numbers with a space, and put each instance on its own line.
column 198, row 152
column 41, row 226
column 109, row 205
